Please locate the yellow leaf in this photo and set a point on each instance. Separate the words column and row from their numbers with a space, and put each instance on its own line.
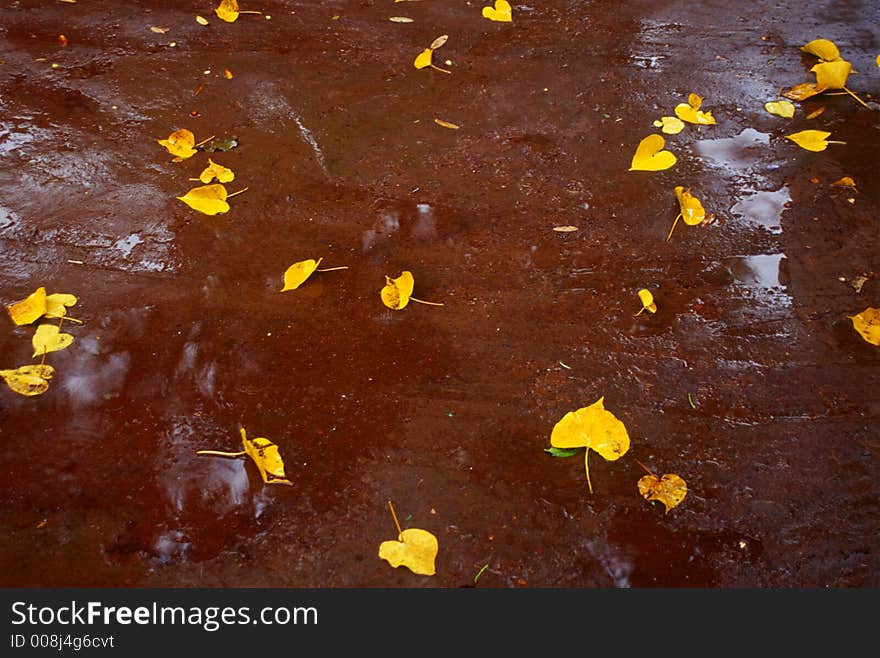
column 180, row 143
column 812, row 140
column 159, row 30
column 783, row 109
column 446, row 124
column 832, row 75
column 214, row 170
column 823, row 49
column 691, row 113
column 501, row 12
column 846, row 181
column 296, row 274
column 29, row 380
column 29, row 309
column 867, row 323
column 649, row 155
column 647, row 300
column 670, row 125
column 57, row 303
column 267, row 458
column 692, row 211
column 439, row 41
column 48, row 338
column 228, row 75
column 878, row 60
column 397, row 292
column 695, row 101
column 596, row 429
column 208, row 199
column 201, row 20
column 227, row 10
column 423, row 59
column 803, row 91
column 669, row 490
column 416, row 550
column 400, row 19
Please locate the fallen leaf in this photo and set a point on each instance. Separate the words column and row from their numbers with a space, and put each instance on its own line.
column 846, row 181
column 670, row 125
column 201, row 20
column 565, row 229
column 400, row 19
column 180, row 143
column 649, row 155
column 501, row 11
column 397, row 292
column 228, row 74
column 832, row 75
column 803, row 91
column 594, row 428
column 783, row 109
column 214, row 170
column 267, row 457
column 296, row 274
column 62, row 40
column 647, row 300
column 691, row 112
column 221, row 144
column 416, row 549
column 691, row 209
column 159, row 30
column 57, row 303
column 423, row 59
column 439, row 41
column 823, row 49
column 29, row 380
column 812, row 140
column 669, row 490
column 816, row 112
column 227, row 10
column 49, row 338
column 878, row 60
column 867, row 323
column 30, row 309
column 208, row 199
column 857, row 283
column 446, row 124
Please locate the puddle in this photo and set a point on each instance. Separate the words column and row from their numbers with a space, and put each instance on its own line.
column 125, row 245
column 760, row 271
column 764, row 209
column 738, row 153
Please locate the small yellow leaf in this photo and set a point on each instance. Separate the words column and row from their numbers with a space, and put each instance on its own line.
column 415, row 550
column 846, row 181
column 296, row 274
column 867, row 323
column 803, row 91
column 823, row 49
column 214, row 170
column 439, row 41
column 669, row 490
column 400, row 19
column 691, row 114
column 159, row 30
column 228, row 74
column 397, row 292
column 227, row 10
column 647, row 300
column 423, row 59
column 180, row 143
column 596, row 429
column 501, row 11
column 692, row 211
column 783, row 109
column 267, row 458
column 48, row 338
column 208, row 199
column 670, row 125
column 446, row 124
column 819, row 110
column 832, row 75
column 57, row 303
column 29, row 380
column 878, row 60
column 29, row 309
column 812, row 140
column 649, row 155
column 565, row 229
column 201, row 20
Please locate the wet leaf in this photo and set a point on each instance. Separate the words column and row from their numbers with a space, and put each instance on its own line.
column 159, row 30
column 691, row 209
column 803, row 91
column 267, row 458
column 562, row 452
column 846, row 181
column 63, row 41
column 423, row 59
column 812, row 140
column 201, row 20
column 823, row 49
column 397, row 292
column 227, row 10
column 416, row 549
column 669, row 490
column 832, row 75
column 783, row 108
column 650, row 155
column 296, row 274
column 29, row 380
column 228, row 74
column 400, row 19
column 647, row 300
column 867, row 323
column 501, row 11
column 49, row 338
column 593, row 428
column 221, row 144
column 57, row 303
column 208, row 199
column 446, row 124
column 816, row 112
column 214, row 170
column 30, row 309
column 691, row 112
column 439, row 41
column 670, row 125
column 565, row 229
column 180, row 144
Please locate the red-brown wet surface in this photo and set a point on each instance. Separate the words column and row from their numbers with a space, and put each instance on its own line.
column 445, row 410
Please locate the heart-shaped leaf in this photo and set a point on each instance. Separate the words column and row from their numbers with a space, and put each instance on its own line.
column 48, row 338
column 57, row 303
column 867, row 323
column 208, row 199
column 650, row 155
column 691, row 113
column 180, row 144
column 29, row 380
column 812, row 140
column 227, row 10
column 296, row 274
column 415, row 549
column 669, row 490
column 501, row 11
column 670, row 125
column 397, row 292
column 782, row 108
column 214, row 170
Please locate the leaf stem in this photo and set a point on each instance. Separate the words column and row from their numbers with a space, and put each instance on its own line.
column 650, row 472
column 394, row 516
column 691, row 400
column 673, row 227
column 250, row 12
column 421, row 301
column 53, row 317
column 857, row 98
column 829, row 141
column 220, row 453
column 439, row 69
column 229, row 196
column 480, row 573
column 587, row 465
column 204, row 141
column 332, row 269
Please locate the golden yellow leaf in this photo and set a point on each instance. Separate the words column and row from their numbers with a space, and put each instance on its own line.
column 819, row 110
column 669, row 490
column 446, row 124
column 214, row 170
column 228, row 75
column 501, row 11
column 692, row 211
column 812, row 140
column 180, row 143
column 57, row 303
column 596, row 429
column 867, row 323
column 397, row 292
column 227, row 10
column 400, row 19
column 691, row 113
column 48, row 338
column 423, row 59
column 783, row 109
column 846, row 181
column 670, row 125
column 208, row 199
column 296, row 274
column 832, row 75
column 647, row 300
column 159, row 30
column 267, row 458
column 803, row 91
column 565, row 229
column 649, row 155
column 29, row 309
column 201, row 20
column 416, row 550
column 878, row 60
column 439, row 41
column 823, row 49
column 29, row 380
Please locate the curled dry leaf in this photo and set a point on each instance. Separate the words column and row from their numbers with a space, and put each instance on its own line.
column 201, row 20
column 669, row 490
column 180, row 143
column 439, row 41
column 446, row 124
column 565, row 229
column 296, row 274
column 207, row 199
column 416, row 549
column 670, row 125
column 691, row 112
column 29, row 380
column 867, row 323
column 501, row 11
column 650, row 156
column 400, row 19
column 49, row 338
column 397, row 292
column 781, row 108
column 159, row 30
column 647, row 300
column 214, row 170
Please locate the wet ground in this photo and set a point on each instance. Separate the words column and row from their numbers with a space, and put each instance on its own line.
column 749, row 381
